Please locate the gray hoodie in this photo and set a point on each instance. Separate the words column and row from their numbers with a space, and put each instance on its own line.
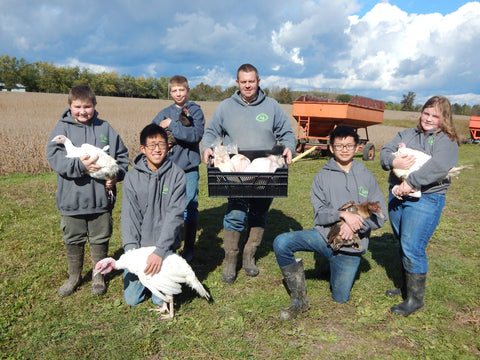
column 185, row 153
column 333, row 187
column 430, row 178
column 254, row 126
column 152, row 206
column 77, row 192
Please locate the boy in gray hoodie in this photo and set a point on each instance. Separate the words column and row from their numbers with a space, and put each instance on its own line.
column 83, row 202
column 340, row 181
column 152, row 208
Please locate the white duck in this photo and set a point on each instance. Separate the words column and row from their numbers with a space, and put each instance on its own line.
column 109, row 166
column 420, row 159
column 164, row 284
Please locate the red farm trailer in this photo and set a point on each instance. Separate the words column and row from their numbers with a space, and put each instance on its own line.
column 474, row 126
column 317, row 118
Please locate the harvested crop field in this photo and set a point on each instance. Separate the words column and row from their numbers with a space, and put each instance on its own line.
column 27, row 119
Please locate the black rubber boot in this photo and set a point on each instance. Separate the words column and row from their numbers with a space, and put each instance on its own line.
column 230, row 245
column 398, row 291
column 190, row 233
column 415, row 285
column 98, row 252
column 75, row 254
column 253, row 242
column 294, row 281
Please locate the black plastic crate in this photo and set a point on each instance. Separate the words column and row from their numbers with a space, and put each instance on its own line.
column 249, row 185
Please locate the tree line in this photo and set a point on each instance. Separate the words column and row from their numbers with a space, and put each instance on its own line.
column 45, row 77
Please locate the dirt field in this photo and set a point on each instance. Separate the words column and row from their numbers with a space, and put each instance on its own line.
column 27, row 119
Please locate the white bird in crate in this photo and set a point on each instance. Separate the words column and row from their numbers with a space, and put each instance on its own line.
column 266, row 164
column 164, row 284
column 109, row 166
column 420, row 159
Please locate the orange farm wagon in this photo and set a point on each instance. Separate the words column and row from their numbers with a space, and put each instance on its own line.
column 317, row 118
column 474, row 126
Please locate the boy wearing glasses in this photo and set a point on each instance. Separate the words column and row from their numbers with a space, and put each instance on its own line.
column 340, row 181
column 152, row 208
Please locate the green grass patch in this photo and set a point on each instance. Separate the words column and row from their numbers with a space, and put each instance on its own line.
column 241, row 322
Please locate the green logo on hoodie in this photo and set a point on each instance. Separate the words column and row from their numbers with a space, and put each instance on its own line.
column 431, row 140
column 164, row 190
column 362, row 192
column 104, row 139
column 262, row 117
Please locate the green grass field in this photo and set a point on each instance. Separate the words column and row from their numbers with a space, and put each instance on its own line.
column 241, row 322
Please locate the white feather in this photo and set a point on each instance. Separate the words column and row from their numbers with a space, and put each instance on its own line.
column 109, row 166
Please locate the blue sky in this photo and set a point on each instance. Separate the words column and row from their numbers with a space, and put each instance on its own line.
column 378, row 49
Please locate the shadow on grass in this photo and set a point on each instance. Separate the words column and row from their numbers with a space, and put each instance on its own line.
column 209, row 252
column 384, row 250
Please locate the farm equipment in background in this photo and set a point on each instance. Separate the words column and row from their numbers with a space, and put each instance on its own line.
column 474, row 126
column 317, row 117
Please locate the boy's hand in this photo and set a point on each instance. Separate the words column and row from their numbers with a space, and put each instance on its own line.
column 346, row 232
column 154, row 264
column 109, row 184
column 90, row 163
column 207, row 154
column 288, row 155
column 165, row 123
column 354, row 221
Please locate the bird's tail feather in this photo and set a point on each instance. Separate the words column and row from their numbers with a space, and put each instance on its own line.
column 456, row 170
column 196, row 285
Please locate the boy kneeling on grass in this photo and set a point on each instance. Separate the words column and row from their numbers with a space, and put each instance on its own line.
column 340, row 181
column 152, row 208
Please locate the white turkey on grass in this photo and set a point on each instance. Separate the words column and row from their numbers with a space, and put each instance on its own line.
column 109, row 166
column 164, row 284
column 420, row 159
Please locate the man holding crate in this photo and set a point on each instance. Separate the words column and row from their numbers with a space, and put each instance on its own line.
column 252, row 121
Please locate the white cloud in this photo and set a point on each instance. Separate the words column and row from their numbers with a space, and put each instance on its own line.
column 320, row 44
column 94, row 68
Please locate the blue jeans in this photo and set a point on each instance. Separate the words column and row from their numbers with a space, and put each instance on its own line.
column 191, row 210
column 134, row 292
column 253, row 210
column 413, row 222
column 343, row 267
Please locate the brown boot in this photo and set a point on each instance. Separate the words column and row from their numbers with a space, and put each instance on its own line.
column 253, row 242
column 75, row 255
column 98, row 252
column 230, row 245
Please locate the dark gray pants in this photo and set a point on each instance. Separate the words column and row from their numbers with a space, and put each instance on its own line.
column 96, row 228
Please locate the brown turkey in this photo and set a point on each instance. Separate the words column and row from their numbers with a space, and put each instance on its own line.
column 186, row 120
column 365, row 209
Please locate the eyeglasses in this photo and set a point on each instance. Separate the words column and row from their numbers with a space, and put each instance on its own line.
column 153, row 146
column 339, row 147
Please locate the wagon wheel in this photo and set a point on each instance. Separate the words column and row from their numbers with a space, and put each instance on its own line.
column 300, row 146
column 369, row 152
